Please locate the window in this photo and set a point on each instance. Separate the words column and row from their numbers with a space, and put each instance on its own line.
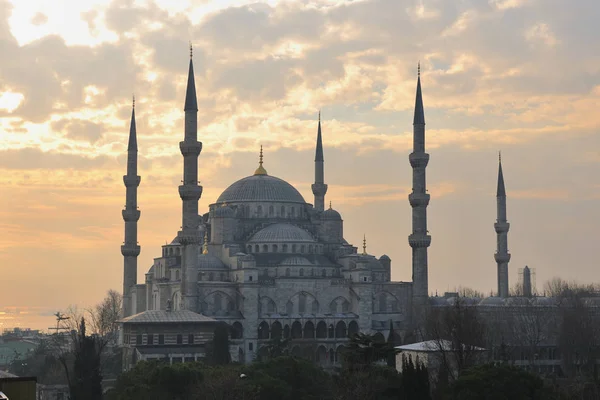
column 285, row 248
column 250, row 278
column 271, row 211
column 211, row 276
column 179, row 339
column 218, row 302
column 256, row 248
column 191, row 338
column 364, row 278
column 302, row 303
column 293, row 248
column 265, row 248
column 259, row 211
column 287, row 272
column 150, row 339
column 282, row 211
column 302, row 249
column 161, row 339
column 177, row 275
column 275, row 248
column 323, row 273
column 138, row 339
column 301, row 271
column 250, row 346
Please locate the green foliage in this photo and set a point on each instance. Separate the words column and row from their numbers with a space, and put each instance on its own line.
column 41, row 363
column 363, row 350
column 86, row 383
column 277, row 347
column 415, row 379
column 217, row 351
column 497, row 382
column 157, row 381
column 369, row 383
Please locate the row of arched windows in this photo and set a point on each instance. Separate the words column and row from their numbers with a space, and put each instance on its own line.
column 308, row 331
column 275, row 211
column 302, row 272
column 211, row 276
column 170, row 251
column 284, row 248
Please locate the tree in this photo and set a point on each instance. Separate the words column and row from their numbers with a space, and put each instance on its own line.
column 217, row 352
column 498, row 382
column 415, row 379
column 363, row 350
column 86, row 381
column 457, row 333
column 464, row 291
column 369, row 383
column 277, row 347
column 156, row 381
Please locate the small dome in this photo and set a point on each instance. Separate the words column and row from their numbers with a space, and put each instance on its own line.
column 384, row 257
column 207, row 261
column 257, row 188
column 492, row 301
column 296, row 261
column 331, row 214
column 224, row 212
column 517, row 301
column 544, row 301
column 280, row 233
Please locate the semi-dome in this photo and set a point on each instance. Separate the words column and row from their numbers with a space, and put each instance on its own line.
column 261, row 188
column 207, row 261
column 280, row 233
column 331, row 214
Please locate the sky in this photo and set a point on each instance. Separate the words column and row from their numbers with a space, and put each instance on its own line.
column 520, row 76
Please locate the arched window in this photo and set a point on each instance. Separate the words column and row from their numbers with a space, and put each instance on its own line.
column 302, row 249
column 301, row 302
column 321, row 330
column 296, row 330
column 176, row 274
column 249, row 249
column 271, row 211
column 293, row 248
column 259, row 211
column 237, row 331
column 293, row 211
column 345, row 306
column 276, row 330
column 287, row 272
column 286, row 331
column 289, row 308
column 382, row 302
column 282, row 211
column 256, row 248
column 340, row 330
column 218, row 300
column 265, row 248
column 315, row 306
column 177, row 251
column 270, row 306
column 263, row 330
column 309, row 330
column 310, row 248
column 285, row 248
column 230, row 306
column 275, row 248
column 301, row 272
column 171, row 251
column 211, row 276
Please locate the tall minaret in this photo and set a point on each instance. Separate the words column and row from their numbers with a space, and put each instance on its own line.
column 319, row 188
column 501, row 226
column 131, row 215
column 190, row 193
column 419, row 240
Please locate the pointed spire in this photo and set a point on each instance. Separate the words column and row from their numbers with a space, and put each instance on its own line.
column 132, row 130
column 330, row 205
column 419, row 118
column 191, row 104
column 260, row 170
column 501, row 191
column 205, row 245
column 319, row 152
column 364, row 245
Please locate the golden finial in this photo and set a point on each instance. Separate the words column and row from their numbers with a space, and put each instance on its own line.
column 260, row 170
column 191, row 50
column 330, row 204
column 364, row 245
column 205, row 245
column 419, row 69
column 319, row 115
column 133, row 101
column 499, row 156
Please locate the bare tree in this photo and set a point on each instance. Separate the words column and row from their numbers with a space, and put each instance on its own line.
column 458, row 334
column 464, row 291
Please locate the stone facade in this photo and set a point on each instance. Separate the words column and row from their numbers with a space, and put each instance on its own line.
column 268, row 263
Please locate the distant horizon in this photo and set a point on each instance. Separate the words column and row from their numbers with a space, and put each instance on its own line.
column 496, row 75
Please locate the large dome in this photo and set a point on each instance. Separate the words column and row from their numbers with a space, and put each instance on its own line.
column 280, row 233
column 259, row 188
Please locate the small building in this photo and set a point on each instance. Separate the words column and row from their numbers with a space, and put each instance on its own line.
column 19, row 388
column 431, row 354
column 168, row 335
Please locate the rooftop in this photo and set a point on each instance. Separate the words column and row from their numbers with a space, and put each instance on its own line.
column 163, row 316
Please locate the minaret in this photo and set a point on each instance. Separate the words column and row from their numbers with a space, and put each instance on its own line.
column 190, row 193
column 527, row 288
column 419, row 240
column 130, row 248
column 319, row 188
column 501, row 226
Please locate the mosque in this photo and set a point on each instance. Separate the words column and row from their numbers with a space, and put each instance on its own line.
column 270, row 264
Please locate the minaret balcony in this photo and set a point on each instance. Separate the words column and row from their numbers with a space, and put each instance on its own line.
column 502, row 258
column 501, row 227
column 419, row 240
column 131, row 180
column 130, row 250
column 189, row 236
column 419, row 199
column 190, row 148
column 190, row 192
column 130, row 215
column 319, row 189
column 418, row 160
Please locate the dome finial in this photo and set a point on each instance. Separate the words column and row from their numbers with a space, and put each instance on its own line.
column 205, row 245
column 419, row 69
column 330, row 205
column 364, row 245
column 191, row 50
column 133, row 101
column 260, row 170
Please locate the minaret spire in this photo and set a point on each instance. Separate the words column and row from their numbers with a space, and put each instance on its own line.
column 364, row 245
column 419, row 240
column 190, row 192
column 319, row 188
column 501, row 226
column 130, row 248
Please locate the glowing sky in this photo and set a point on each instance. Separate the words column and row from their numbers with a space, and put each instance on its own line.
column 521, row 76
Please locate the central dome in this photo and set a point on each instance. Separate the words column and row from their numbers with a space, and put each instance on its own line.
column 259, row 188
